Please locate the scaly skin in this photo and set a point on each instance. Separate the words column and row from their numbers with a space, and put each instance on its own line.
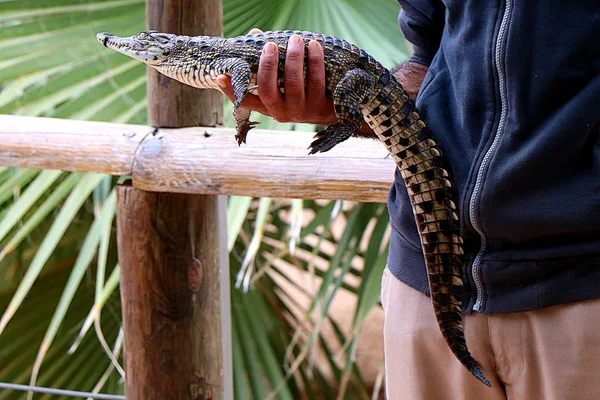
column 362, row 89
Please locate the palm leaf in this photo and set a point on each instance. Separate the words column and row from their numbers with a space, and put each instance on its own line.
column 52, row 224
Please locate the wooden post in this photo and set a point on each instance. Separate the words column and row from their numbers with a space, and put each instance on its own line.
column 171, row 293
column 172, row 104
column 172, row 249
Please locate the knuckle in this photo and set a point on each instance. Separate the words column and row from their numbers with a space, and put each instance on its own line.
column 294, row 83
column 295, row 50
column 270, row 101
column 299, row 110
column 293, row 79
column 295, row 99
column 316, row 65
column 268, row 63
column 280, row 117
column 269, row 96
column 295, row 113
column 295, row 55
column 315, row 81
column 316, row 59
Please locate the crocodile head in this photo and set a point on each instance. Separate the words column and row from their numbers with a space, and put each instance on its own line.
column 151, row 47
column 176, row 56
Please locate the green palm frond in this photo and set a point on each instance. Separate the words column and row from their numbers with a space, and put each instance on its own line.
column 58, row 271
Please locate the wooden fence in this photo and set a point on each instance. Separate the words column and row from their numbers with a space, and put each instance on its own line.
column 201, row 160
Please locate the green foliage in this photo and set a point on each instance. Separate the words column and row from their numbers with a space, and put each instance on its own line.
column 57, row 234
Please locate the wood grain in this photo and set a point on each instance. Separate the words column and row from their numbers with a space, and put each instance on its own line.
column 272, row 164
column 170, row 294
column 69, row 145
column 172, row 103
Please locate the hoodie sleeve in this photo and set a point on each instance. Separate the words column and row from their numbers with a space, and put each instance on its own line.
column 422, row 23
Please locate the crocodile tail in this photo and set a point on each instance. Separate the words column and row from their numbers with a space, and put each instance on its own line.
column 444, row 267
column 452, row 330
column 397, row 122
column 439, row 230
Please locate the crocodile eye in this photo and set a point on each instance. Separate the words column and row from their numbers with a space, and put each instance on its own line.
column 142, row 36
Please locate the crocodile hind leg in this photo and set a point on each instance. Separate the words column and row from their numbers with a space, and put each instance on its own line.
column 347, row 97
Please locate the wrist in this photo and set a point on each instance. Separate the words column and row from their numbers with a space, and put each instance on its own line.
column 410, row 75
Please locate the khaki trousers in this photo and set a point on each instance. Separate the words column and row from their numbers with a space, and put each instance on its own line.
column 549, row 354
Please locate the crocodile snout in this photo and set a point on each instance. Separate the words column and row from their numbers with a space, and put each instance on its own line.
column 103, row 37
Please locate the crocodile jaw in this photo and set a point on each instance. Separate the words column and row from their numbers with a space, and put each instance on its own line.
column 133, row 47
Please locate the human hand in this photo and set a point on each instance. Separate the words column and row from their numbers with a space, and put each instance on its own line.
column 301, row 103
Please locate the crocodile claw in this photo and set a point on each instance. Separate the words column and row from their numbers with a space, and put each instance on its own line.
column 328, row 138
column 243, row 131
column 322, row 144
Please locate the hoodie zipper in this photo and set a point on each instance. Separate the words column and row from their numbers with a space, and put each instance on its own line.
column 475, row 222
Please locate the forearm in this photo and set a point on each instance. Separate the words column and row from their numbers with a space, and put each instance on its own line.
column 410, row 75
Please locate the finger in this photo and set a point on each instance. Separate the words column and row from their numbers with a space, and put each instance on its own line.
column 267, row 76
column 315, row 75
column 317, row 102
column 254, row 31
column 294, row 71
column 250, row 102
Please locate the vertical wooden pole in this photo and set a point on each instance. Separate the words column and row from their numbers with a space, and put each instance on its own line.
column 172, row 104
column 172, row 249
column 170, row 287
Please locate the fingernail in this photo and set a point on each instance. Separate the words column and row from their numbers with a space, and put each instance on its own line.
column 270, row 48
column 313, row 45
column 295, row 40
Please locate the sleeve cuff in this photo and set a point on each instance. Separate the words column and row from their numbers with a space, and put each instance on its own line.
column 423, row 27
column 422, row 56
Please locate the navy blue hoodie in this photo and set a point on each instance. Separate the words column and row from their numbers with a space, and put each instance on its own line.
column 512, row 96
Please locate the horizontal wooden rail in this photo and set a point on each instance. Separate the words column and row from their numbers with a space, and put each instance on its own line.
column 200, row 160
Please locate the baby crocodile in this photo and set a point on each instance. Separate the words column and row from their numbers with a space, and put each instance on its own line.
column 362, row 89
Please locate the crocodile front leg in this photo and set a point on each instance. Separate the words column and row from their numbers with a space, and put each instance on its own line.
column 239, row 70
column 352, row 89
column 241, row 116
